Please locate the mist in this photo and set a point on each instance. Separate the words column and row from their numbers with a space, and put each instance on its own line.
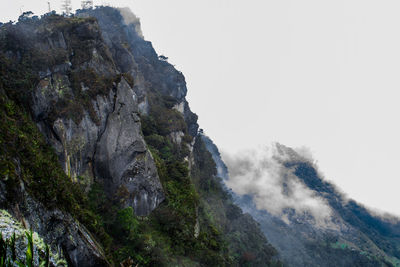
column 263, row 175
column 131, row 18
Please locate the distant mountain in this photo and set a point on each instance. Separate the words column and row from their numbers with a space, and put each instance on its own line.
column 305, row 217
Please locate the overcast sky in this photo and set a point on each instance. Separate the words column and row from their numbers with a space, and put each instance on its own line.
column 314, row 73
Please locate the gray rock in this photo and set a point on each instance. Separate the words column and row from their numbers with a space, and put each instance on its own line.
column 122, row 160
column 64, row 232
column 10, row 227
column 114, row 148
column 59, row 230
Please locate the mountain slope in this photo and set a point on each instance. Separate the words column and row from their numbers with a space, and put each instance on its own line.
column 305, row 217
column 100, row 151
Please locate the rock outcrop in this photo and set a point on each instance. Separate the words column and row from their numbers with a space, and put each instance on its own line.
column 102, row 141
column 65, row 235
column 122, row 159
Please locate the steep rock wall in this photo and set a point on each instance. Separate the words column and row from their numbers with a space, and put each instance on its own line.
column 88, row 112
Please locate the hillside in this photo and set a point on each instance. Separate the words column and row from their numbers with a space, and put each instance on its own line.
column 307, row 219
column 100, row 153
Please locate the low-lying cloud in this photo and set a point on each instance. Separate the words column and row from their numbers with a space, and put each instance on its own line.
column 274, row 187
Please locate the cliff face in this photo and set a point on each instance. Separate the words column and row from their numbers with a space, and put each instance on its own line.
column 100, row 151
column 103, row 138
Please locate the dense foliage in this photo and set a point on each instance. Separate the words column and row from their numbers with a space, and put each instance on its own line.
column 8, row 255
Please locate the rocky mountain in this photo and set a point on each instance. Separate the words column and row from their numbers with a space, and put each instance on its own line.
column 100, row 153
column 102, row 163
column 307, row 219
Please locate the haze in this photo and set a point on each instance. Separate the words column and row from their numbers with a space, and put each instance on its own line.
column 319, row 74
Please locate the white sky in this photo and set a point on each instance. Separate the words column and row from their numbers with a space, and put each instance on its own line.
column 315, row 73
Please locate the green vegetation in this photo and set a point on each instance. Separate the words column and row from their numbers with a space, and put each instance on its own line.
column 8, row 257
column 343, row 254
column 25, row 156
column 339, row 245
column 182, row 230
column 29, row 250
column 171, row 234
column 163, row 119
column 83, row 44
column 22, row 247
column 245, row 243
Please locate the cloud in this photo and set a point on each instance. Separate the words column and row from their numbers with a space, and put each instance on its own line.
column 130, row 18
column 273, row 187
